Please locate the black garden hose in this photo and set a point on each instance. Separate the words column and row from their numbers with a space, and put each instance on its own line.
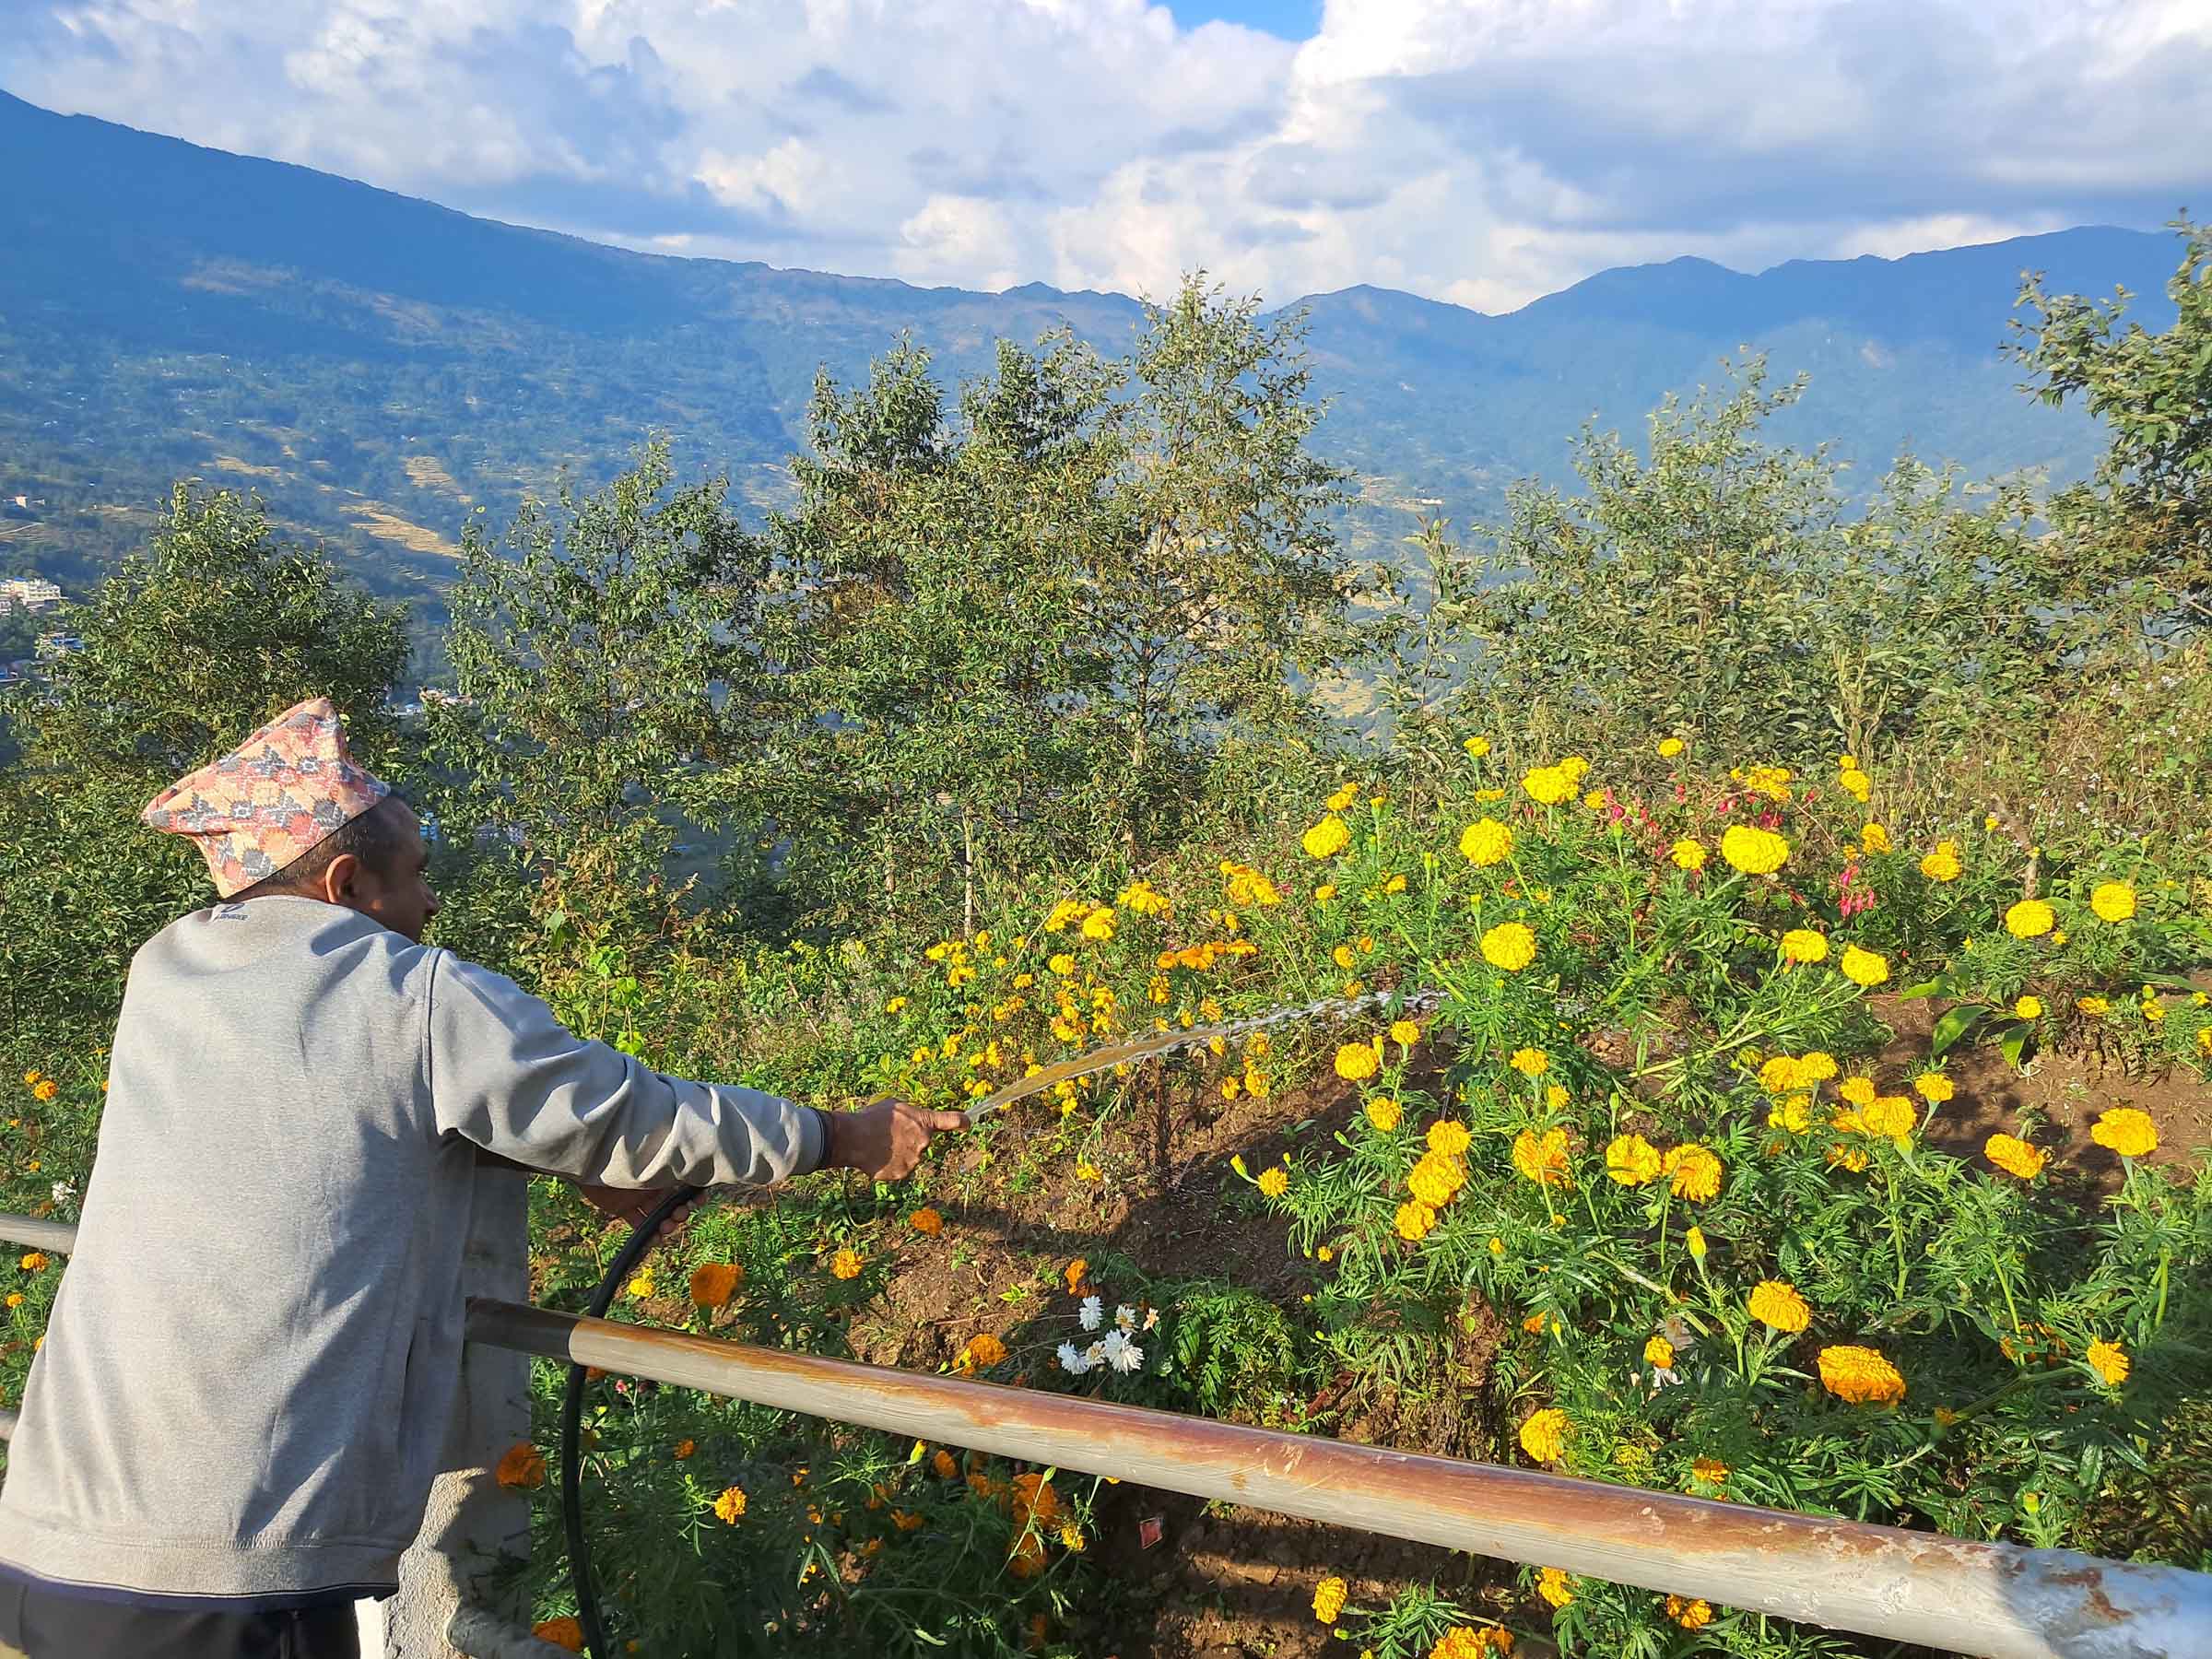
column 633, row 1250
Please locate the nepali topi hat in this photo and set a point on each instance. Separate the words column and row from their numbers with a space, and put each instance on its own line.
column 289, row 786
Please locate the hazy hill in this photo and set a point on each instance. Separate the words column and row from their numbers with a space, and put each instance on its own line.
column 379, row 366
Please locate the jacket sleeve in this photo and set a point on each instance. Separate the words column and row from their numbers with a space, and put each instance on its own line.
column 505, row 1074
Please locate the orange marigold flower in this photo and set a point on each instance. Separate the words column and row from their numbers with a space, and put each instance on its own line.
column 521, row 1467
column 714, row 1283
column 1695, row 1170
column 2126, row 1131
column 685, row 1448
column 2014, row 1156
column 946, row 1464
column 562, row 1632
column 926, row 1222
column 1542, row 1160
column 1075, row 1274
column 1861, row 1375
column 1710, row 1469
column 2110, row 1361
column 730, row 1506
column 845, row 1264
column 1690, row 1614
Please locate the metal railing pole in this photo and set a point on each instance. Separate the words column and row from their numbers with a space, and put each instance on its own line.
column 1990, row 1599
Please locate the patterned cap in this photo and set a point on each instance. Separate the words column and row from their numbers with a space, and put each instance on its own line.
column 264, row 804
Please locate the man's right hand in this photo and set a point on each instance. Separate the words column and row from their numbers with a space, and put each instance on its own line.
column 884, row 1139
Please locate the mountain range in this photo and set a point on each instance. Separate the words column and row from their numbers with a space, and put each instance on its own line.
column 379, row 367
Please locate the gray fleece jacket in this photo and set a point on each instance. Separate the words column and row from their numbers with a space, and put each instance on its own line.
column 248, row 1372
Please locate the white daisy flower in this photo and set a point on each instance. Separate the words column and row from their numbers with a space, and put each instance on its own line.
column 1126, row 1316
column 63, row 1191
column 1120, row 1353
column 1073, row 1360
column 1093, row 1312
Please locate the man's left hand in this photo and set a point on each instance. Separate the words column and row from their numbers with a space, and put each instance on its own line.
column 635, row 1203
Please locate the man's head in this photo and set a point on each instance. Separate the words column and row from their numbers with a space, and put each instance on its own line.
column 288, row 811
column 377, row 864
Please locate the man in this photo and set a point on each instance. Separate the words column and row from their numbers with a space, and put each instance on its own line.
column 230, row 1432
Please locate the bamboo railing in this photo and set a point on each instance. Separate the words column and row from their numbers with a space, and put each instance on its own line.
column 1959, row 1595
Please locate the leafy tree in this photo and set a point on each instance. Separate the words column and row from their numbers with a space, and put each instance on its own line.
column 2138, row 536
column 216, row 627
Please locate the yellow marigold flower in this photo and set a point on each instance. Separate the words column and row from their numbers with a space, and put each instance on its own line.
column 1687, row 854
column 1861, row 1375
column 1867, row 969
column 1802, row 944
column 1695, row 1171
column 845, row 1264
column 2029, row 919
column 1891, row 1115
column 2029, row 1007
column 1434, row 1180
column 1933, row 1088
column 1485, row 841
column 1344, row 957
column 1574, row 766
column 1859, row 1091
column 1793, row 1114
column 1690, row 1614
column 1776, row 1302
column 1346, row 794
column 1477, row 746
column 1816, row 1065
column 1061, row 963
column 1548, row 784
column 1449, row 1139
column 47, row 1088
column 1530, row 1061
column 1942, row 864
column 1393, row 883
column 30, row 1078
column 1669, row 747
column 1544, row 1436
column 641, row 1283
column 2126, row 1131
column 1098, row 924
column 896, row 1005
column 1780, row 1074
column 1872, row 837
column 1754, row 851
column 1594, row 800
column 1552, row 1581
column 1510, row 946
column 521, row 1467
column 1405, row 1033
column 1710, row 1469
column 1357, row 1062
column 565, row 1631
column 2110, row 1361
column 1659, row 1353
column 1383, row 1113
column 1855, row 784
column 714, row 1283
column 1328, row 1599
column 1556, row 1097
column 2114, row 900
column 1542, row 1160
column 1414, row 1221
column 1631, row 1160
column 1326, row 839
column 1274, row 1182
column 2015, row 1157
column 1324, row 892
column 731, row 1504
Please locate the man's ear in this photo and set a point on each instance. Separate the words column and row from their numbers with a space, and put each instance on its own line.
column 340, row 882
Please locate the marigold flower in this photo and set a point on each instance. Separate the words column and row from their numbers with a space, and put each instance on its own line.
column 1631, row 1160
column 1776, row 1302
column 1548, row 786
column 1414, row 1221
column 2126, row 1131
column 1510, row 946
column 1274, row 1182
column 1711, row 1469
column 1816, row 1065
column 1552, row 1581
column 1485, row 841
column 1802, row 944
column 1544, row 1436
column 1780, row 1074
column 1530, row 1061
column 1854, row 783
column 845, row 1264
column 1872, row 837
column 1476, row 748
column 1891, row 1115
column 1694, row 1240
column 2114, row 900
column 1942, row 864
column 1690, row 1614
column 1328, row 1599
column 714, row 1283
column 1405, row 1033
column 30, row 1078
column 2015, row 1157
column 1859, row 1091
column 1556, row 1097
column 562, row 1632
column 2029, row 919
column 1933, row 1088
column 1449, row 1139
column 1861, row 1375
column 1668, row 748
column 47, row 1088
column 730, row 1506
column 1687, row 854
column 684, row 1449
column 35, row 1261
column 1327, row 838
column 1435, row 1181
column 1659, row 1353
column 1383, row 1113
column 1357, row 1062
column 1542, row 1160
column 1695, row 1171
column 2110, row 1361
column 1867, row 969
column 521, row 1467
column 982, row 1352
column 1754, row 851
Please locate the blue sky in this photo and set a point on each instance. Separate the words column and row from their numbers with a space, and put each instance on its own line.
column 1481, row 151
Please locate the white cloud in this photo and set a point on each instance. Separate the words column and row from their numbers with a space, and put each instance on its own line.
column 1480, row 150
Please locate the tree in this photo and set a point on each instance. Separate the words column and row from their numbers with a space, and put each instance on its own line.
column 2138, row 535
column 214, row 627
